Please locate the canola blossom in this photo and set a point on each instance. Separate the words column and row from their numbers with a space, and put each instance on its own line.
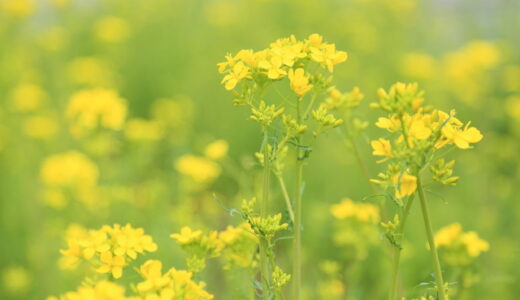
column 128, row 175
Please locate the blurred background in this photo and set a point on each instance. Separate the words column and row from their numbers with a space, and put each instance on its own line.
column 155, row 62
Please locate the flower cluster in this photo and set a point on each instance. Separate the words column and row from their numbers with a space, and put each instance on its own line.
column 419, row 133
column 173, row 284
column 285, row 57
column 105, row 290
column 305, row 64
column 458, row 247
column 200, row 169
column 109, row 249
column 355, row 228
column 70, row 172
column 93, row 108
column 362, row 212
column 236, row 246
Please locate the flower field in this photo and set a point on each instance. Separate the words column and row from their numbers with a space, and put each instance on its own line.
column 259, row 149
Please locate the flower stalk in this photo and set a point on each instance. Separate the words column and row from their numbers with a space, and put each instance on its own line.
column 431, row 241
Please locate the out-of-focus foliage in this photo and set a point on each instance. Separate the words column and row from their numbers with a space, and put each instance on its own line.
column 112, row 111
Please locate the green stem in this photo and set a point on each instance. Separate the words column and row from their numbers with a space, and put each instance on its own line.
column 264, row 262
column 286, row 196
column 431, row 242
column 397, row 250
column 298, row 215
column 297, row 232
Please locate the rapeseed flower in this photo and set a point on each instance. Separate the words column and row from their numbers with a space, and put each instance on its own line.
column 93, row 108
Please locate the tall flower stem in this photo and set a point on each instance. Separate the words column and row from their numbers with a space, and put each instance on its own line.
column 264, row 262
column 397, row 250
column 286, row 197
column 431, row 241
column 349, row 141
column 296, row 276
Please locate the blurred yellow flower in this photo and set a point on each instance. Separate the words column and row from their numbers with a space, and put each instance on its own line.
column 173, row 284
column 510, row 78
column 69, row 169
column 18, row 8
column 104, row 290
column 40, row 127
column 15, row 279
column 217, row 149
column 466, row 70
column 200, row 169
column 54, row 198
column 447, row 235
column 419, row 65
column 88, row 108
column 114, row 246
column 513, row 107
column 90, row 71
column 452, row 238
column 186, row 236
column 61, row 3
column 143, row 130
column 53, row 39
column 112, row 29
column 27, row 97
column 363, row 212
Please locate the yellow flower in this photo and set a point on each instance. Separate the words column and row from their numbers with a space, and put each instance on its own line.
column 452, row 236
column 417, row 129
column 474, row 244
column 462, row 138
column 299, row 82
column 40, row 127
column 72, row 255
column 112, row 29
column 381, row 147
column 217, row 149
column 112, row 264
column 186, row 236
column 54, row 198
column 61, row 3
column 237, row 73
column 27, row 97
column 87, row 108
column 328, row 56
column 15, row 279
column 447, row 235
column 406, row 185
column 154, row 279
column 18, row 8
column 143, row 130
column 513, row 107
column 96, row 242
column 392, row 124
column 104, row 290
column 69, row 169
column 363, row 212
column 200, row 169
column 273, row 67
column 419, row 65
column 90, row 71
column 315, row 40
